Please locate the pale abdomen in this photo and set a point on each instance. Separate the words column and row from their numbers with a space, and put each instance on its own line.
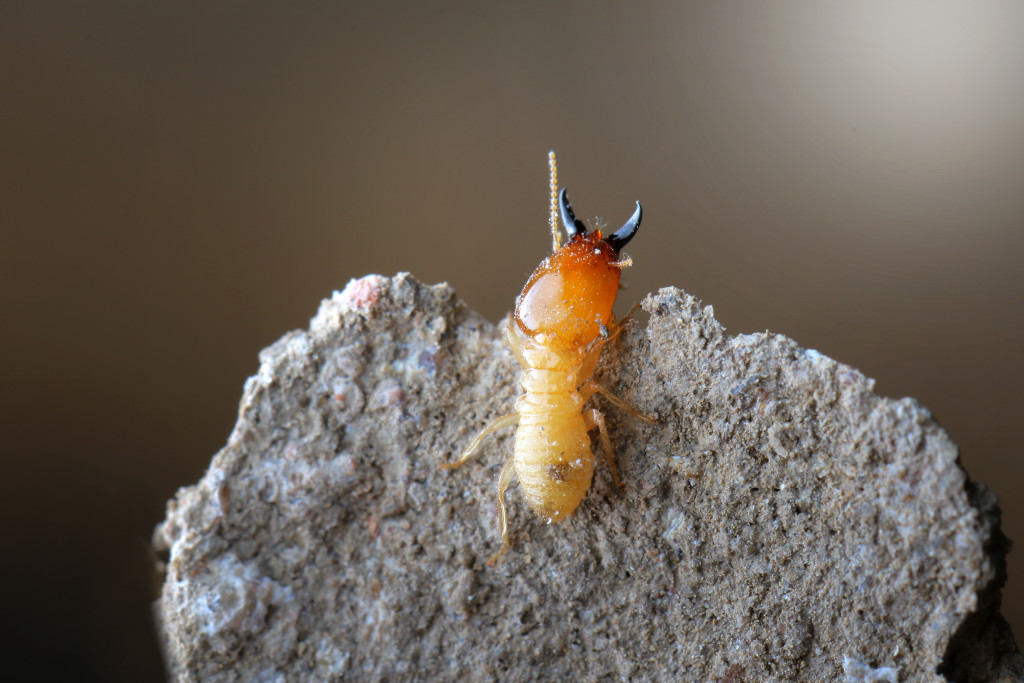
column 553, row 459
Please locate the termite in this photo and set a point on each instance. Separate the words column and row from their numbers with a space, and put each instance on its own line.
column 563, row 318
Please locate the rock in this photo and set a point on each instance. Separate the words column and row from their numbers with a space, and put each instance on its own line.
column 781, row 522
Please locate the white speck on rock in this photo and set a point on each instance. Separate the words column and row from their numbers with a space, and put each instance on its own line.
column 237, row 600
column 815, row 356
column 858, row 672
column 331, row 660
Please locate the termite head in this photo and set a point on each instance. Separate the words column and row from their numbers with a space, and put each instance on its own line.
column 569, row 298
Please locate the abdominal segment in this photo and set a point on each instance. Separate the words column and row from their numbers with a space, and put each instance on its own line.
column 554, row 463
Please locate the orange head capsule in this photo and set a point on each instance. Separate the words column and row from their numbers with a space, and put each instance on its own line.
column 570, row 296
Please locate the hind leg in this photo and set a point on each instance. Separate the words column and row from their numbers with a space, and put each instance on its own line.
column 508, row 470
column 594, row 418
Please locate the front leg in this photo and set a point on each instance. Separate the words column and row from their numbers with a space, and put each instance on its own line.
column 516, row 342
column 593, row 352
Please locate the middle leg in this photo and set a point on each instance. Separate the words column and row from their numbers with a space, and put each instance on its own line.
column 592, row 387
column 499, row 423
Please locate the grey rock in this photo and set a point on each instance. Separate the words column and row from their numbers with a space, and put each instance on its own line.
column 780, row 523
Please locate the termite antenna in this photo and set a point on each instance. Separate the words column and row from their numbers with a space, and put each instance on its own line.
column 618, row 239
column 556, row 236
column 573, row 225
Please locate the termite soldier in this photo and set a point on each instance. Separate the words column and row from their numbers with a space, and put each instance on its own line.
column 563, row 319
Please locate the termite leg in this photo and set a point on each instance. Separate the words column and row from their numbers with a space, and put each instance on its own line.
column 618, row 327
column 591, row 388
column 588, row 365
column 499, row 423
column 593, row 418
column 504, row 479
column 516, row 344
column 607, row 334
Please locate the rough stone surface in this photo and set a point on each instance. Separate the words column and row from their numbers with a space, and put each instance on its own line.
column 780, row 523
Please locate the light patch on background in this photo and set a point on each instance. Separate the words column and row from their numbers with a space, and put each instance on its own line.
column 934, row 85
column 908, row 114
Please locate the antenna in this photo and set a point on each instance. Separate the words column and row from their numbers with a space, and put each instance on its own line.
column 556, row 235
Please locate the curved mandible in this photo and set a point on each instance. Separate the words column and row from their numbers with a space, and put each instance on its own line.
column 573, row 225
column 618, row 239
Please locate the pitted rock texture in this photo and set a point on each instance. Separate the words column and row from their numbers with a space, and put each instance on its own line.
column 780, row 522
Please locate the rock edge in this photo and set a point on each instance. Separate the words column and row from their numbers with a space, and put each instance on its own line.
column 781, row 522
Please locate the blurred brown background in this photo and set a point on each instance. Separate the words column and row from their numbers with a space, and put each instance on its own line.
column 182, row 182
